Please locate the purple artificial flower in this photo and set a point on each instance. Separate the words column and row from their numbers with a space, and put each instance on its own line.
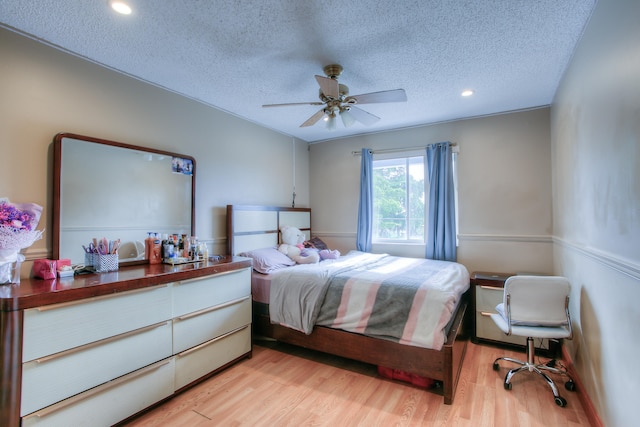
column 12, row 217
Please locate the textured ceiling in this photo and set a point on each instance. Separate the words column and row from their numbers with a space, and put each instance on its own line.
column 239, row 54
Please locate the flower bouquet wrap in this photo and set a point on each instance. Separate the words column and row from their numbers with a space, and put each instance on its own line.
column 17, row 231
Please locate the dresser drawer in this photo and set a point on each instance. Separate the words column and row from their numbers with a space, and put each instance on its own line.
column 197, row 294
column 488, row 297
column 201, row 360
column 55, row 328
column 53, row 378
column 112, row 402
column 195, row 328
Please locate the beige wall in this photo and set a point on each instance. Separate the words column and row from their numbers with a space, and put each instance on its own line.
column 45, row 91
column 595, row 135
column 504, row 189
column 590, row 146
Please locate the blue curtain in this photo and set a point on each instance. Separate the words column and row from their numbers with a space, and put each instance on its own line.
column 365, row 208
column 441, row 231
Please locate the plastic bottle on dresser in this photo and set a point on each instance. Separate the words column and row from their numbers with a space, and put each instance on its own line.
column 156, row 250
column 147, row 246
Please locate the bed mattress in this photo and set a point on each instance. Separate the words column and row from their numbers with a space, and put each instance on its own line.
column 410, row 301
column 260, row 287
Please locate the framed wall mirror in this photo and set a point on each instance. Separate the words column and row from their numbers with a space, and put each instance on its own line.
column 114, row 190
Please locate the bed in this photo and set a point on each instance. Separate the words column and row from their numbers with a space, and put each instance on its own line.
column 437, row 355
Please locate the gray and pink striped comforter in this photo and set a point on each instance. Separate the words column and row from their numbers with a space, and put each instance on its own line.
column 406, row 300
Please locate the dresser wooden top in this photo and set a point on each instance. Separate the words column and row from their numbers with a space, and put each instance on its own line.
column 31, row 293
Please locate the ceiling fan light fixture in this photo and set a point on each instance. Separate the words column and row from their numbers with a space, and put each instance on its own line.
column 347, row 118
column 331, row 121
column 337, row 101
column 120, row 6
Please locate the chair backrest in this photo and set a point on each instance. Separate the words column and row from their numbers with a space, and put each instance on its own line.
column 537, row 300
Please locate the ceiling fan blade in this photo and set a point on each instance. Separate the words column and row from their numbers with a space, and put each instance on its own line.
column 293, row 103
column 329, row 87
column 313, row 119
column 362, row 116
column 396, row 95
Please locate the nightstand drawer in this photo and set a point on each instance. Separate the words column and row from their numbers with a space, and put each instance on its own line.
column 486, row 329
column 488, row 297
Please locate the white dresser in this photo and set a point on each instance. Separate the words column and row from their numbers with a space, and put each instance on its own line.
column 101, row 359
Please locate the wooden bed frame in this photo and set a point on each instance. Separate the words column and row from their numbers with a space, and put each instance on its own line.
column 253, row 227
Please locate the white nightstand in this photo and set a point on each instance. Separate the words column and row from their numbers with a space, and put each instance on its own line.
column 487, row 291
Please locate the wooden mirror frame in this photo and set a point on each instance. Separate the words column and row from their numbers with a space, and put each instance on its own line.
column 57, row 184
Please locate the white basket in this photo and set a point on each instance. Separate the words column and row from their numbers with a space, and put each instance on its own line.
column 103, row 263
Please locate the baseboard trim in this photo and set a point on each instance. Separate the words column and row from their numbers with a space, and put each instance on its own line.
column 583, row 397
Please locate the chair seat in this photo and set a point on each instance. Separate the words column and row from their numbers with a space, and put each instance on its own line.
column 561, row 331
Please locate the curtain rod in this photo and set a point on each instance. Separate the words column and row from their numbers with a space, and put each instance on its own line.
column 397, row 150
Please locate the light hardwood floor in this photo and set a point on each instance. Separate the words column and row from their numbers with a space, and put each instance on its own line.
column 283, row 385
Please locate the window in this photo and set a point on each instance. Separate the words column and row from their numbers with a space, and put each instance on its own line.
column 399, row 198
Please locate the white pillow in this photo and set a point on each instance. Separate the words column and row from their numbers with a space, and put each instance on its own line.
column 268, row 260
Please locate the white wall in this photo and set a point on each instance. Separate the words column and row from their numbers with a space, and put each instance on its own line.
column 504, row 189
column 45, row 91
column 596, row 195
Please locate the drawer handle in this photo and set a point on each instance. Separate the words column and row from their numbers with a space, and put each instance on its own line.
column 84, row 301
column 492, row 288
column 485, row 313
column 214, row 308
column 101, row 342
column 191, row 350
column 197, row 279
column 79, row 397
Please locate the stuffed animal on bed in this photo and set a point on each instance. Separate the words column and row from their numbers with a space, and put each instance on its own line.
column 321, row 248
column 292, row 246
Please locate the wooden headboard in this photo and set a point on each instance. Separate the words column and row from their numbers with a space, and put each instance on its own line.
column 255, row 227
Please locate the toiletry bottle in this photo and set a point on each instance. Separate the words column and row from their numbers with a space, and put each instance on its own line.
column 164, row 243
column 168, row 250
column 147, row 246
column 193, row 248
column 185, row 246
column 180, row 248
column 156, row 250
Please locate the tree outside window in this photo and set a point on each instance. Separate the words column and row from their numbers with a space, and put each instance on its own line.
column 399, row 199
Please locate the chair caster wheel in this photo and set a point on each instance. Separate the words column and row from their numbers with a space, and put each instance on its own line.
column 496, row 367
column 560, row 401
column 570, row 385
column 507, row 386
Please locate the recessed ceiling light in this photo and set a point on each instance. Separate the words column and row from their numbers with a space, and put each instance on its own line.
column 467, row 92
column 120, row 7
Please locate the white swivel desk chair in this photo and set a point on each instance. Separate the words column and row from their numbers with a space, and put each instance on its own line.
column 535, row 307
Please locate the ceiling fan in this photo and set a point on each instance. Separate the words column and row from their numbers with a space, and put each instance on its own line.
column 336, row 101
